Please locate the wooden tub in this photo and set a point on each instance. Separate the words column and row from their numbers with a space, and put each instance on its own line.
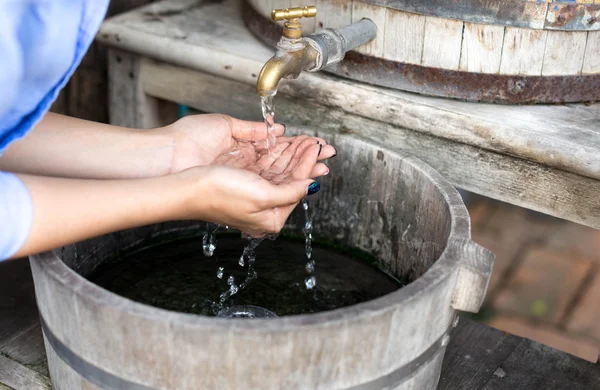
column 375, row 199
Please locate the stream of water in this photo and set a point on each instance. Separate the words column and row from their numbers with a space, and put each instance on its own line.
column 267, row 106
column 248, row 256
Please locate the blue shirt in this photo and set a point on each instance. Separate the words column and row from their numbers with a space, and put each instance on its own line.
column 41, row 44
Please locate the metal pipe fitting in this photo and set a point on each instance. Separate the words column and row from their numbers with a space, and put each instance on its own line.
column 312, row 53
column 331, row 45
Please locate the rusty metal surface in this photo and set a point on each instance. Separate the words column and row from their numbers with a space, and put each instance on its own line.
column 518, row 13
column 573, row 17
column 576, row 14
column 445, row 83
column 469, row 86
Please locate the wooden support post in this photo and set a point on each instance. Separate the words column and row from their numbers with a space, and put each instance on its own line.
column 129, row 106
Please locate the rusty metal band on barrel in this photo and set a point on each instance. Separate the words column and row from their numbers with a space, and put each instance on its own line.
column 103, row 379
column 477, row 87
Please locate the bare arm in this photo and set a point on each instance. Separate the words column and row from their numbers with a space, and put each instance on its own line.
column 69, row 147
column 70, row 210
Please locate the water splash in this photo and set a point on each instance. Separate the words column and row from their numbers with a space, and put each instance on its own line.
column 268, row 112
column 220, row 272
column 250, row 255
column 311, row 281
column 233, row 289
column 209, row 241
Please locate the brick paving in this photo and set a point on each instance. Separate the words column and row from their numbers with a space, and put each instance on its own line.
column 546, row 280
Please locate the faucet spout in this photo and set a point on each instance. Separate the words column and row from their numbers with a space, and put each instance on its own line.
column 288, row 62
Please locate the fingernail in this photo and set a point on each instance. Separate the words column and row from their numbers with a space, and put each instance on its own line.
column 335, row 154
column 313, row 188
column 326, row 173
column 320, row 148
column 284, row 127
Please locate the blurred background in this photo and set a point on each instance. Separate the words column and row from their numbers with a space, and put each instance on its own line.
column 546, row 280
column 545, row 285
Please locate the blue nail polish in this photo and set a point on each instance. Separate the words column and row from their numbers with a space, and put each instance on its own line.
column 313, row 188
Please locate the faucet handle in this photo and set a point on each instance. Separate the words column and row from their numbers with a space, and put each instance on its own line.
column 294, row 13
column 292, row 29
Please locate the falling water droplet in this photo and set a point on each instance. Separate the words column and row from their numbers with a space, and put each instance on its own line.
column 209, row 242
column 241, row 262
column 220, row 272
column 310, row 267
column 310, row 282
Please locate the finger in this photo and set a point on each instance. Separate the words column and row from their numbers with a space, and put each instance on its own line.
column 291, row 138
column 283, row 161
column 303, row 163
column 267, row 159
column 327, row 151
column 251, row 131
column 288, row 193
column 319, row 170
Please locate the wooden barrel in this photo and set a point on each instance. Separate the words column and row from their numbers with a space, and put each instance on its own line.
column 375, row 199
column 504, row 51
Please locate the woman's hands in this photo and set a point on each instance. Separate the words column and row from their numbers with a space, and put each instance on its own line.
column 69, row 210
column 215, row 139
column 255, row 202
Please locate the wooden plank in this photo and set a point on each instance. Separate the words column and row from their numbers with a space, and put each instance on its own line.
column 19, row 377
column 475, row 351
column 27, row 347
column 378, row 16
column 579, row 345
column 333, row 13
column 158, row 81
column 523, row 51
column 536, row 366
column 564, row 53
column 509, row 179
column 481, row 48
column 591, row 62
column 405, row 33
column 442, row 43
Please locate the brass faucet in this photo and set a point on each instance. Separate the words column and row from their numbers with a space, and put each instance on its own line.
column 296, row 53
column 293, row 53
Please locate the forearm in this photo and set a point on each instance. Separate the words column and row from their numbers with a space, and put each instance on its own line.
column 63, row 146
column 70, row 210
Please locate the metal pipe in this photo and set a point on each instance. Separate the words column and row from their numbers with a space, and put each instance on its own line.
column 331, row 45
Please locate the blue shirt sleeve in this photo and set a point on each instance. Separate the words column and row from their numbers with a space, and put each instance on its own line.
column 41, row 44
column 16, row 214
